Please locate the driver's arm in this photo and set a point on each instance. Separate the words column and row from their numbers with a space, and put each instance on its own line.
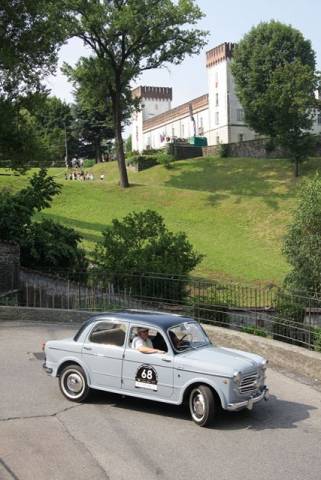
column 138, row 344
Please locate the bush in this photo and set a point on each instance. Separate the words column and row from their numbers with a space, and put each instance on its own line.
column 288, row 325
column 165, row 159
column 142, row 162
column 224, row 150
column 302, row 245
column 317, row 339
column 89, row 162
column 254, row 330
column 139, row 244
column 53, row 248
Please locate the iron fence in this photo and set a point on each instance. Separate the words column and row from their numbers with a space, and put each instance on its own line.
column 266, row 311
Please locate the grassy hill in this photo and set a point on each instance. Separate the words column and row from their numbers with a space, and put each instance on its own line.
column 234, row 211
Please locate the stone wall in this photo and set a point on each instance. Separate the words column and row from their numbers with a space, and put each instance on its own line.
column 9, row 266
column 253, row 148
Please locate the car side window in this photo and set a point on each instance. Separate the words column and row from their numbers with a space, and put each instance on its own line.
column 154, row 338
column 109, row 333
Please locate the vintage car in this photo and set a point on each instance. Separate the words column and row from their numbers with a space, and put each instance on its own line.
column 179, row 365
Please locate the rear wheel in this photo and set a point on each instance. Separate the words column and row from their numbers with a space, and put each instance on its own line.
column 73, row 383
column 203, row 406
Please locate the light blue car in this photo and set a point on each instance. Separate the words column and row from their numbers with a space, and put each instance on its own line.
column 156, row 356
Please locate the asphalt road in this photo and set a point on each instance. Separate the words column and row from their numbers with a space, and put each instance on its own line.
column 45, row 437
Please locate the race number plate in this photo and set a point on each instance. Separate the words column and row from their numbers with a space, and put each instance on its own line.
column 146, row 377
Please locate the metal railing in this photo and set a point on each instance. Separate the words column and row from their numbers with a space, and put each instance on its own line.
column 266, row 311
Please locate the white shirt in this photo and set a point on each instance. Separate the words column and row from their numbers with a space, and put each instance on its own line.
column 138, row 342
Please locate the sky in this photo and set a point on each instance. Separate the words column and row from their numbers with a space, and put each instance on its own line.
column 226, row 21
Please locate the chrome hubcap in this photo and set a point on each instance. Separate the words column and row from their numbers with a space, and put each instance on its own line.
column 198, row 405
column 74, row 383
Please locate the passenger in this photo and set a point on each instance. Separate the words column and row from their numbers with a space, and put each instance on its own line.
column 143, row 343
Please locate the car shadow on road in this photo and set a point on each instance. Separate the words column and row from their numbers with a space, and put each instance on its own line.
column 274, row 414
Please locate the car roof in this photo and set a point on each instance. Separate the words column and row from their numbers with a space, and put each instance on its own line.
column 157, row 319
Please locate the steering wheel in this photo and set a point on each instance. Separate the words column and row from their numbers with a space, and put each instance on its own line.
column 184, row 337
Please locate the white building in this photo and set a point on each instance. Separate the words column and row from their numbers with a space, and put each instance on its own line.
column 217, row 115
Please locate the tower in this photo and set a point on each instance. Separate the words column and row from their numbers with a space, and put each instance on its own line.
column 153, row 101
column 226, row 115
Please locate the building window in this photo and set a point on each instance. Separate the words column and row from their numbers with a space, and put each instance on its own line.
column 217, row 140
column 216, row 99
column 241, row 137
column 173, row 132
column 240, row 115
column 216, row 79
column 217, row 118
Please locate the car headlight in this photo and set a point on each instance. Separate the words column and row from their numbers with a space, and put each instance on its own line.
column 264, row 364
column 237, row 378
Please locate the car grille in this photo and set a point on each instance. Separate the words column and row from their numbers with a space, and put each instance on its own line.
column 249, row 382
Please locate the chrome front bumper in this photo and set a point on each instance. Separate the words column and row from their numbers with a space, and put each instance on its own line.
column 232, row 407
column 48, row 370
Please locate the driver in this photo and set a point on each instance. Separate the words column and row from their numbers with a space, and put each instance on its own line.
column 143, row 343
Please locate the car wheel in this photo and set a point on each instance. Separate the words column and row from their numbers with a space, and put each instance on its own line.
column 202, row 405
column 73, row 383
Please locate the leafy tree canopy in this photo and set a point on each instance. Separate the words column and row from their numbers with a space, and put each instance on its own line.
column 274, row 71
column 131, row 36
column 30, row 34
column 45, row 245
column 302, row 245
column 140, row 243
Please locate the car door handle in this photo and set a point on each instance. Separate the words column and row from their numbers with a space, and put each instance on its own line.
column 166, row 360
column 87, row 348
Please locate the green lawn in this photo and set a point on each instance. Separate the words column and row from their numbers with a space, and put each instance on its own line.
column 234, row 211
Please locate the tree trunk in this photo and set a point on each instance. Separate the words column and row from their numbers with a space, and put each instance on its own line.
column 116, row 102
column 296, row 167
column 97, row 151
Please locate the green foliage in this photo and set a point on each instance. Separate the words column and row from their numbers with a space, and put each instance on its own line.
column 288, row 322
column 317, row 339
column 130, row 37
column 30, row 34
column 165, row 159
column 45, row 245
column 141, row 162
column 16, row 210
column 129, row 145
column 89, row 163
column 274, row 71
column 53, row 248
column 254, row 330
column 92, row 112
column 141, row 243
column 302, row 244
column 224, row 150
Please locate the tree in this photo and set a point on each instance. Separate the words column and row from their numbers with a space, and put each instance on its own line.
column 92, row 111
column 274, row 71
column 30, row 34
column 129, row 37
column 44, row 245
column 141, row 244
column 53, row 248
column 53, row 122
column 302, row 245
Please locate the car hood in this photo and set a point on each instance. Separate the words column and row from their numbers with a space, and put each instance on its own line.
column 218, row 360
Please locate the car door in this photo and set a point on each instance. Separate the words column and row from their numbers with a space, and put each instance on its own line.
column 149, row 374
column 102, row 352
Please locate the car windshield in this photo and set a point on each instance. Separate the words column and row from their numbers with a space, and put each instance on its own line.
column 187, row 335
